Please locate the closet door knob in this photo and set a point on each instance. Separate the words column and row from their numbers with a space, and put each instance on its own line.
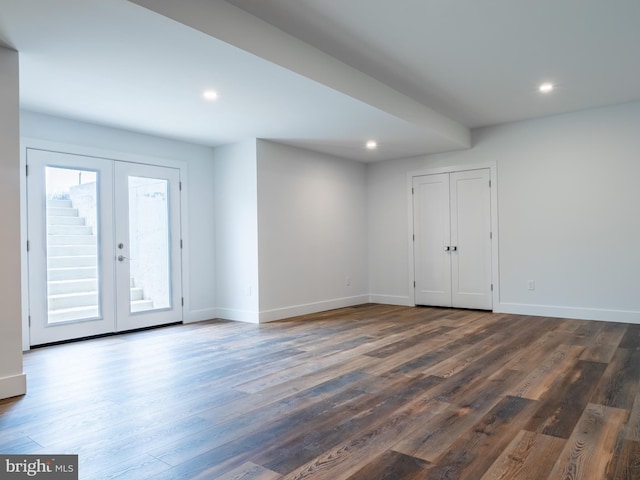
column 454, row 249
column 447, row 248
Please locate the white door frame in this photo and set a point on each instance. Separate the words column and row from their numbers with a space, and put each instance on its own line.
column 495, row 264
column 60, row 147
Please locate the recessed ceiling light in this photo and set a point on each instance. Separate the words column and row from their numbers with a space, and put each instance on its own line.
column 372, row 145
column 546, row 87
column 210, row 95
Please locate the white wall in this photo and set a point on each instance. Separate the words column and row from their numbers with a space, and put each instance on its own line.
column 12, row 380
column 568, row 200
column 197, row 227
column 236, row 241
column 296, row 224
column 312, row 218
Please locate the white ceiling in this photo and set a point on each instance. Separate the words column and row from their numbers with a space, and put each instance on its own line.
column 478, row 62
column 413, row 74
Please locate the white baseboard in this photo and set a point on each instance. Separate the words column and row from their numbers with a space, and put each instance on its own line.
column 296, row 310
column 13, row 386
column 606, row 315
column 247, row 316
column 200, row 315
column 391, row 300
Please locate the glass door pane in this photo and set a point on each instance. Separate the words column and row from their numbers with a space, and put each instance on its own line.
column 150, row 266
column 72, row 245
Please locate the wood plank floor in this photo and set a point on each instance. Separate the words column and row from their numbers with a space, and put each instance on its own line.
column 362, row 393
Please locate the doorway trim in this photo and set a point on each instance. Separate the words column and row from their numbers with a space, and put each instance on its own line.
column 495, row 263
column 27, row 143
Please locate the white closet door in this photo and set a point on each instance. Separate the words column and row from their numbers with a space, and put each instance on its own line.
column 471, row 239
column 432, row 240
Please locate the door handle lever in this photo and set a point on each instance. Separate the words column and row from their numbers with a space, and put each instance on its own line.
column 447, row 248
column 122, row 258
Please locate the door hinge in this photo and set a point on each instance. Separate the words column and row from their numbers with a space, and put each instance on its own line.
column 489, row 183
column 180, row 186
column 411, row 190
column 414, row 284
column 414, row 237
column 28, row 245
column 491, row 235
column 26, row 170
column 180, row 243
column 29, row 320
column 182, row 299
column 492, row 287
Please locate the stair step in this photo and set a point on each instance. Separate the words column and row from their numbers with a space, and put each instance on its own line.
column 73, row 261
column 69, row 230
column 75, row 273
column 57, row 220
column 70, row 250
column 59, row 203
column 76, row 313
column 137, row 293
column 72, row 286
column 71, row 239
column 141, row 305
column 72, row 300
column 62, row 212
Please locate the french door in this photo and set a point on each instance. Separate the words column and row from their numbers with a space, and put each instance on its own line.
column 104, row 246
column 452, row 239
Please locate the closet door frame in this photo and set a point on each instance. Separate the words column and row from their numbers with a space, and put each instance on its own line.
column 494, row 224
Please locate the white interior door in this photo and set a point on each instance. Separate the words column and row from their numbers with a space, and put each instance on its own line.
column 471, row 239
column 104, row 246
column 432, row 240
column 147, row 226
column 71, row 271
column 452, row 239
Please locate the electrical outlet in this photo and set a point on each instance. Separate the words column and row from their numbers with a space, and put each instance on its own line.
column 532, row 284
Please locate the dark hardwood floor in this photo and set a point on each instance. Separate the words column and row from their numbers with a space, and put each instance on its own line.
column 362, row 393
